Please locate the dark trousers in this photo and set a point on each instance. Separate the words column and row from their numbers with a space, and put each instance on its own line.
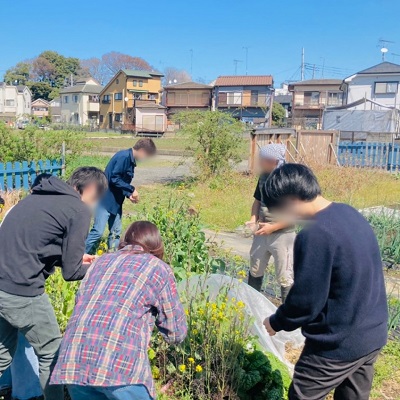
column 315, row 377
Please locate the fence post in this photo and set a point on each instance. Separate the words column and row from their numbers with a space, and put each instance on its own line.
column 63, row 159
column 253, row 147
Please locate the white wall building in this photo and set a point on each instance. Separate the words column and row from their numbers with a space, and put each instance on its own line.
column 80, row 103
column 379, row 83
column 15, row 102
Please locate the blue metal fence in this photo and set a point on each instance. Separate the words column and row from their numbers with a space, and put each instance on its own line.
column 369, row 154
column 20, row 175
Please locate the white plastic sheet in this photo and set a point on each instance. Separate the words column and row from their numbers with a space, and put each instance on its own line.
column 257, row 306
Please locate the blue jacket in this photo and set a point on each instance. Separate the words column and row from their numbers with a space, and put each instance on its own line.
column 119, row 173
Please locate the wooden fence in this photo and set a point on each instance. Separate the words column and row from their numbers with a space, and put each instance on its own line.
column 20, row 175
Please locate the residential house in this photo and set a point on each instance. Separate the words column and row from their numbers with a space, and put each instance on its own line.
column 248, row 98
column 285, row 100
column 126, row 90
column 380, row 84
column 55, row 110
column 187, row 96
column 80, row 103
column 40, row 108
column 310, row 98
column 15, row 102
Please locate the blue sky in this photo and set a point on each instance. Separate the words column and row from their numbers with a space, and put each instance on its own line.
column 340, row 33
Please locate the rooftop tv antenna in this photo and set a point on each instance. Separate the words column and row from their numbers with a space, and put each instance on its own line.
column 394, row 55
column 383, row 47
column 236, row 64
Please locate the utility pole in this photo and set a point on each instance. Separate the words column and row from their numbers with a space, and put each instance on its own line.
column 191, row 63
column 302, row 64
column 313, row 72
column 71, row 80
column 236, row 65
column 246, row 48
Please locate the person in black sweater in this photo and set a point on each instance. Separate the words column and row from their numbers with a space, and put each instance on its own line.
column 338, row 298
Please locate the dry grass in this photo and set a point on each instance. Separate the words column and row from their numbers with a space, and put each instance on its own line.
column 11, row 199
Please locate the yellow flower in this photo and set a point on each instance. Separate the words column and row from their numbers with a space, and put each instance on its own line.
column 187, row 312
column 199, row 368
column 240, row 304
column 213, row 306
column 182, row 368
column 191, row 360
column 100, row 252
column 242, row 274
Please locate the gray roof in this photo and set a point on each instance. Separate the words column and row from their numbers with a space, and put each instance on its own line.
column 188, row 85
column 150, row 105
column 83, row 88
column 141, row 74
column 382, row 68
column 318, row 82
column 283, row 98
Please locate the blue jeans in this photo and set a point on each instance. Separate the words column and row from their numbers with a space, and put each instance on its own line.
column 101, row 219
column 23, row 374
column 131, row 392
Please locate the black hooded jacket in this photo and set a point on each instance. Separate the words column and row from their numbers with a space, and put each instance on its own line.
column 46, row 229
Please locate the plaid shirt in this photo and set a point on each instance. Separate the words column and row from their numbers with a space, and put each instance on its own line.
column 108, row 335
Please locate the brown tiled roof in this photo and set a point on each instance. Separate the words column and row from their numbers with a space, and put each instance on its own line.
column 188, row 85
column 244, row 80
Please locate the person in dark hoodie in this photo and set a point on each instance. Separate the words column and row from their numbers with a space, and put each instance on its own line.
column 44, row 230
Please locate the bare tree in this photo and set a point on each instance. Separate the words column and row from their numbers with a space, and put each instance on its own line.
column 115, row 61
column 96, row 69
column 172, row 74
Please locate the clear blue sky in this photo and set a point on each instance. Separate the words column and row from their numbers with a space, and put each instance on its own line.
column 343, row 32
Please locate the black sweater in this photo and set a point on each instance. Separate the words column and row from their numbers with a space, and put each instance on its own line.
column 46, row 229
column 338, row 297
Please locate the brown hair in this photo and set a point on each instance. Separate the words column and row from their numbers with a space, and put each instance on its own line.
column 147, row 145
column 146, row 235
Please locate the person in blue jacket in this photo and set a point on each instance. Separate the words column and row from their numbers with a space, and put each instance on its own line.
column 119, row 172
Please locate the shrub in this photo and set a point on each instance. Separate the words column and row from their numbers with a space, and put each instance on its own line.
column 219, row 358
column 216, row 140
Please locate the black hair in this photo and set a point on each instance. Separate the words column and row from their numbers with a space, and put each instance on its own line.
column 85, row 176
column 291, row 180
column 2, row 202
column 38, row 180
column 147, row 145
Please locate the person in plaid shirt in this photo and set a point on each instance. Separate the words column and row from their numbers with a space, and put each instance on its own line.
column 103, row 354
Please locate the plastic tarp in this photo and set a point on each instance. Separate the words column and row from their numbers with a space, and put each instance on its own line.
column 378, row 121
column 257, row 306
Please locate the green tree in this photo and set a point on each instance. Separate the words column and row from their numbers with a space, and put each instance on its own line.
column 19, row 74
column 278, row 114
column 41, row 90
column 216, row 139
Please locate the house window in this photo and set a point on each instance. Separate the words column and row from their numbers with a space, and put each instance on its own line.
column 65, row 99
column 93, row 98
column 386, row 87
column 334, row 99
column 152, row 97
column 137, row 96
column 118, row 117
column 254, row 97
column 10, row 102
column 234, row 98
column 311, row 98
column 101, row 118
column 75, row 98
column 106, row 99
column 134, row 82
column 140, row 83
column 118, row 96
column 117, row 81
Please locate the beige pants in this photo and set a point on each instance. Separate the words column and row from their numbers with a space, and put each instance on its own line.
column 278, row 245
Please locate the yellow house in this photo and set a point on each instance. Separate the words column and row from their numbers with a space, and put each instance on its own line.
column 126, row 91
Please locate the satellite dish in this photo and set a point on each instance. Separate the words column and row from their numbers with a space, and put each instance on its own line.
column 384, row 50
column 175, row 81
column 126, row 98
column 169, row 81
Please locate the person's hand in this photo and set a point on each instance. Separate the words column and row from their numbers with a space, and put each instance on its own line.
column 134, row 197
column 268, row 327
column 265, row 228
column 88, row 258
